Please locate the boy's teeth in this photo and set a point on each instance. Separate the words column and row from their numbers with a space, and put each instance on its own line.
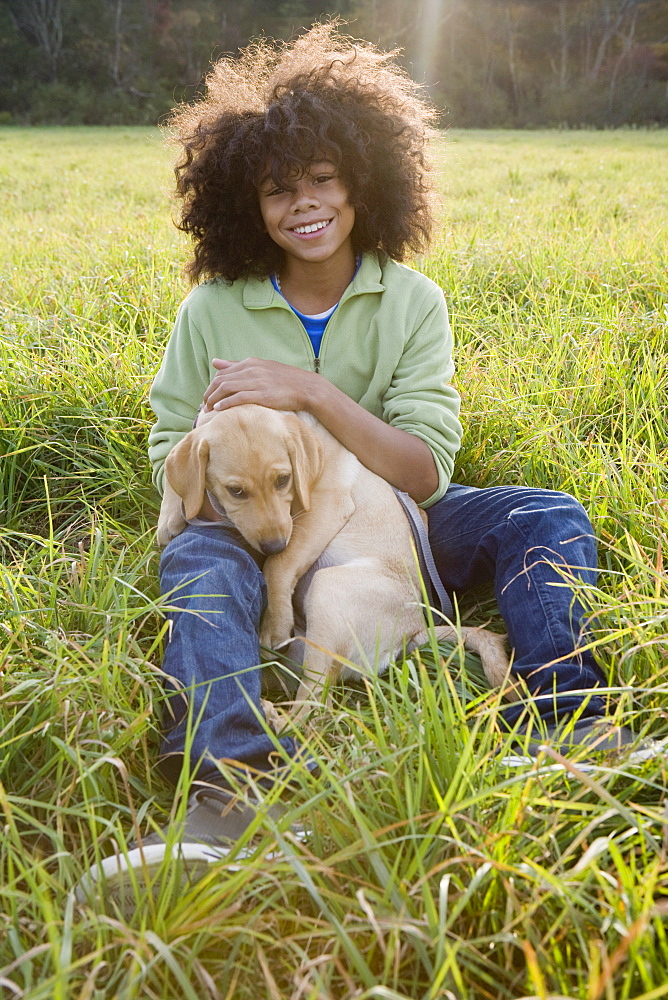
column 310, row 229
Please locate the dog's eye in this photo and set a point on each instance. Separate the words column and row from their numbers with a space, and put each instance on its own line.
column 282, row 481
column 237, row 492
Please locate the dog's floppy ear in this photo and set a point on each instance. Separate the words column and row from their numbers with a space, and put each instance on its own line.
column 306, row 455
column 185, row 469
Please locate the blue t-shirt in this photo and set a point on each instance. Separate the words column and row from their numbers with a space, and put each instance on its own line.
column 314, row 325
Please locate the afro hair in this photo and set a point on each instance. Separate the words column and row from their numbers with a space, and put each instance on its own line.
column 275, row 109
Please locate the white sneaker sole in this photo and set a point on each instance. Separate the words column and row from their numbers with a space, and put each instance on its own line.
column 648, row 750
column 111, row 878
column 112, row 875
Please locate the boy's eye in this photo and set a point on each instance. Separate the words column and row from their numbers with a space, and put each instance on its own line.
column 322, row 178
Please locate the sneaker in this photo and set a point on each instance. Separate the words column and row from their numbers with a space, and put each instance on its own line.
column 587, row 741
column 215, row 821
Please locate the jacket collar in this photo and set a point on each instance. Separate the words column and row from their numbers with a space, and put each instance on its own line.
column 261, row 294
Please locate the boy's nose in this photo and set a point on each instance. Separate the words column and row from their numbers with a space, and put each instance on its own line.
column 305, row 196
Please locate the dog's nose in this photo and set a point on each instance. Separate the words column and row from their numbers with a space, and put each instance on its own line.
column 273, row 546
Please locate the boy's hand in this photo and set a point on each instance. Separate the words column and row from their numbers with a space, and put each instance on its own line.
column 253, row 380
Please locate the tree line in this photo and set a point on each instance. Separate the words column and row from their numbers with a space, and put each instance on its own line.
column 487, row 63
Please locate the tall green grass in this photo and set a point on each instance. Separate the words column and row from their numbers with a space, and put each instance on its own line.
column 433, row 870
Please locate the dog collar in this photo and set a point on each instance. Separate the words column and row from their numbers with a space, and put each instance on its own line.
column 217, row 505
column 218, row 509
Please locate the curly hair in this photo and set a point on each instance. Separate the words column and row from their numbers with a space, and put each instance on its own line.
column 276, row 108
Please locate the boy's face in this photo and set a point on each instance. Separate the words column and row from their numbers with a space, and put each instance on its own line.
column 312, row 219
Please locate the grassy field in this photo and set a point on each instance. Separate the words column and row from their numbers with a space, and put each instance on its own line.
column 433, row 871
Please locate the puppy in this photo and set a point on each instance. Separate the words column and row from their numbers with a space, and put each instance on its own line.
column 338, row 546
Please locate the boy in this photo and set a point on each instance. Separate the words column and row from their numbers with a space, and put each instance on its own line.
column 305, row 181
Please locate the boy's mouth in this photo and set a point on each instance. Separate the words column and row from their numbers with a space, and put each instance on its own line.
column 312, row 227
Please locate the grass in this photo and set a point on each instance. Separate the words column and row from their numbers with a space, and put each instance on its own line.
column 433, row 871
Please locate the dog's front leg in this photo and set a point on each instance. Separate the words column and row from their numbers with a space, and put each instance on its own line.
column 171, row 521
column 278, row 619
column 312, row 533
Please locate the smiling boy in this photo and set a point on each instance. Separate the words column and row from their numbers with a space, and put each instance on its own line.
column 305, row 182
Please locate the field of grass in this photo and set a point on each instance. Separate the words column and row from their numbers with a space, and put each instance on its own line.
column 433, row 870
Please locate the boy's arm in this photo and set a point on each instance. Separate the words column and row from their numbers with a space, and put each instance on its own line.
column 421, row 399
column 402, row 458
column 177, row 391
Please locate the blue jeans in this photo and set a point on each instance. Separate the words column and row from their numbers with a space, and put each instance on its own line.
column 528, row 543
column 516, row 538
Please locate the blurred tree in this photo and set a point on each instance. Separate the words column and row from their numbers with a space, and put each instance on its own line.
column 488, row 62
column 41, row 22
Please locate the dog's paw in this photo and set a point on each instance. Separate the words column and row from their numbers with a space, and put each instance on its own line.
column 276, row 720
column 168, row 528
column 276, row 628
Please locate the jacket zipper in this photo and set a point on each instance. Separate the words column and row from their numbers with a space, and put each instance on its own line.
column 316, row 360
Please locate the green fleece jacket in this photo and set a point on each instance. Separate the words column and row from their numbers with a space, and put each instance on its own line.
column 388, row 346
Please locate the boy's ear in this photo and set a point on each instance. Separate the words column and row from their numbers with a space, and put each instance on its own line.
column 306, row 457
column 185, row 469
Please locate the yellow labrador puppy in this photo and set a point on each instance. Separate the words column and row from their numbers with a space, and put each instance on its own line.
column 338, row 546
